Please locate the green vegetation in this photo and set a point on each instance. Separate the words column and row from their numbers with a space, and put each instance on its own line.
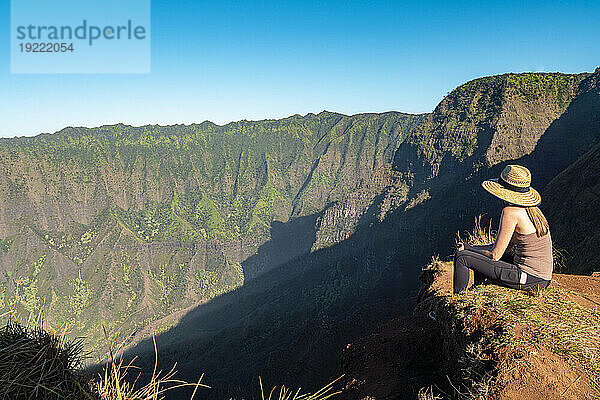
column 26, row 287
column 149, row 220
column 5, row 244
column 81, row 296
column 557, row 88
column 212, row 283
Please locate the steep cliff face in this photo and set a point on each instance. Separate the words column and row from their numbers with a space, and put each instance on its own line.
column 111, row 220
column 341, row 218
column 572, row 204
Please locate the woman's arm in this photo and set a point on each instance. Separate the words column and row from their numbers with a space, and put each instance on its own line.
column 508, row 222
column 485, row 250
column 478, row 247
column 481, row 249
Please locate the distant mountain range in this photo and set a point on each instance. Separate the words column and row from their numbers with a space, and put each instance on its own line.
column 261, row 248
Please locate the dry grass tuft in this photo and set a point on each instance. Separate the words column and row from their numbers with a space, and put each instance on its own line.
column 38, row 364
column 114, row 383
column 479, row 235
column 428, row 394
column 287, row 394
column 35, row 364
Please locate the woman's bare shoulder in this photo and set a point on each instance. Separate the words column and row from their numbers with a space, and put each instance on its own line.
column 513, row 211
column 517, row 215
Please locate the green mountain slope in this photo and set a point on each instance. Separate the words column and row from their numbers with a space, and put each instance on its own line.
column 96, row 224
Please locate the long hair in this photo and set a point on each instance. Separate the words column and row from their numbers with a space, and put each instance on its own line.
column 538, row 220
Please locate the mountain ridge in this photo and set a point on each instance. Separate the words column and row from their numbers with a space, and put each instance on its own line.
column 111, row 213
column 81, row 128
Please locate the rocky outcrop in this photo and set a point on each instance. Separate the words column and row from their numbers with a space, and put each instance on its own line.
column 341, row 218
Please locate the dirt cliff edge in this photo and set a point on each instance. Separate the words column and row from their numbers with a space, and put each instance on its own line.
column 486, row 343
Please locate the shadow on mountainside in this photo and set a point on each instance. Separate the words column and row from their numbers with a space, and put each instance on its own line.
column 573, row 207
column 290, row 324
column 288, row 240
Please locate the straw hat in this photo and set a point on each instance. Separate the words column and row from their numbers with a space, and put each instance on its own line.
column 514, row 186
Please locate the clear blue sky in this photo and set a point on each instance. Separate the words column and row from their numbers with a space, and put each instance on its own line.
column 225, row 61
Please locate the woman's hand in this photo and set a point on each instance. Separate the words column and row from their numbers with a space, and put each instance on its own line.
column 460, row 246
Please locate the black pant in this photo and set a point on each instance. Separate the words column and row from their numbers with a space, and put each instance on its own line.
column 502, row 272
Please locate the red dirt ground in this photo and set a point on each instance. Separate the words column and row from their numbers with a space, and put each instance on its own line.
column 407, row 354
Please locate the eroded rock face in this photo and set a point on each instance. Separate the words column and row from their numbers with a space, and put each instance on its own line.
column 339, row 220
column 487, row 121
column 121, row 217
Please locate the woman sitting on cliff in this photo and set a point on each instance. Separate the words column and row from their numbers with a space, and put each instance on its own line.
column 523, row 228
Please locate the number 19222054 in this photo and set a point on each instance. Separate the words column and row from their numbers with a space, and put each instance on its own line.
column 46, row 47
